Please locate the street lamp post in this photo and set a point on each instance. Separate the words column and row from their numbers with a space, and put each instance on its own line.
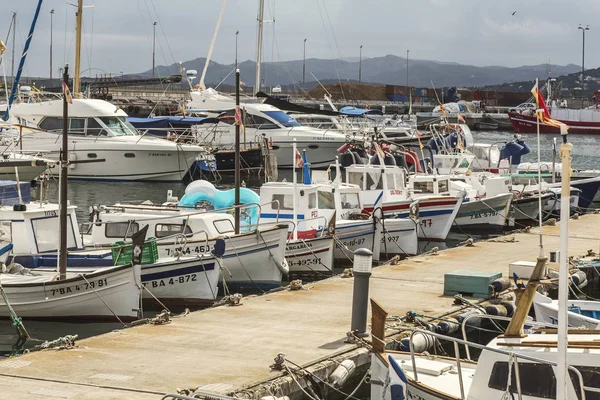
column 587, row 28
column 304, row 65
column 407, row 88
column 153, row 47
column 51, row 23
column 360, row 64
column 236, row 39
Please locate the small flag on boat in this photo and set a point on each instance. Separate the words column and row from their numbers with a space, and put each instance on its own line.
column 460, row 118
column 544, row 116
column 2, row 48
column 398, row 380
column 299, row 162
column 67, row 92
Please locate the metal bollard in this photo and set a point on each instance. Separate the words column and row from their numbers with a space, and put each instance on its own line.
column 361, row 268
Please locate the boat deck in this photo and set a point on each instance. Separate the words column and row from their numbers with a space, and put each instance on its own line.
column 227, row 349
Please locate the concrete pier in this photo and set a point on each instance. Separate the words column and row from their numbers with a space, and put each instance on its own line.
column 229, row 349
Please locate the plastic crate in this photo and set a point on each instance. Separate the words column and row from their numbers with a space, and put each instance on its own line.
column 122, row 252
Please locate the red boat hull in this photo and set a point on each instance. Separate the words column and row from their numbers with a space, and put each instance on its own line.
column 528, row 124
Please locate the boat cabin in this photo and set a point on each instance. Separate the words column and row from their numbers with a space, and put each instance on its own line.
column 119, row 222
column 34, row 229
column 341, row 201
column 277, row 205
column 87, row 117
column 429, row 185
column 385, row 183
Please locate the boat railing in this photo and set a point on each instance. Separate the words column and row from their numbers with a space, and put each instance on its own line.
column 511, row 357
column 227, row 210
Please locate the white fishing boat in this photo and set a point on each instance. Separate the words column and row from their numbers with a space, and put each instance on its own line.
column 100, row 294
column 582, row 313
column 254, row 259
column 309, row 250
column 383, row 186
column 341, row 202
column 98, row 131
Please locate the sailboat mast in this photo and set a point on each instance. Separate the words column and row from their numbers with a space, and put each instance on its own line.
column 261, row 11
column 64, row 170
column 563, row 275
column 212, row 45
column 13, row 23
column 77, row 71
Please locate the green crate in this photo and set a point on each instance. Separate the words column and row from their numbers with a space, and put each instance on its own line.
column 122, row 252
column 469, row 283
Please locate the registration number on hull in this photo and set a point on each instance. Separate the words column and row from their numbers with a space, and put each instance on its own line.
column 171, row 281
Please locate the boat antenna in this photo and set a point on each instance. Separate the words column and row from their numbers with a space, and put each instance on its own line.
column 538, row 112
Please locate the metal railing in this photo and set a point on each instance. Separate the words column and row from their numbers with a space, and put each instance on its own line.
column 456, row 342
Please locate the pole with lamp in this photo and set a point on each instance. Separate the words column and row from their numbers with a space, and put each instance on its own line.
column 51, row 29
column 304, row 65
column 360, row 64
column 153, row 47
column 587, row 28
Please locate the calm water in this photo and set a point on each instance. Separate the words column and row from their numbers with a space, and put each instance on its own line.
column 84, row 194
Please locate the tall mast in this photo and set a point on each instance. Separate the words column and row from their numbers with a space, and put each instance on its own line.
column 77, row 71
column 64, row 171
column 212, row 44
column 261, row 10
column 14, row 26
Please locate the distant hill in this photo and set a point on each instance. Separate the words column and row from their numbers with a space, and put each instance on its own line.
column 389, row 69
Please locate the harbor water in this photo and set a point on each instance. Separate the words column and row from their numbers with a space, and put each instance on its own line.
column 84, row 194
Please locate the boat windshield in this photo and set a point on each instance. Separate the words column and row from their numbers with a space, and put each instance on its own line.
column 119, row 126
column 283, row 118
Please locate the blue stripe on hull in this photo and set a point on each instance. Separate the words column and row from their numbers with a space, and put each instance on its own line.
column 177, row 272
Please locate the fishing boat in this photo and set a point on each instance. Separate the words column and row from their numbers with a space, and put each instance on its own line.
column 582, row 313
column 97, row 295
column 254, row 259
column 383, row 186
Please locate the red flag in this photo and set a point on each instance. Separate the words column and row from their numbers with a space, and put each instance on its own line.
column 460, row 118
column 67, row 92
column 299, row 162
column 544, row 117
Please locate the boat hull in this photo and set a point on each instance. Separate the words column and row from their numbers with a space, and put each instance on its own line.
column 528, row 124
column 353, row 235
column 527, row 208
column 187, row 281
column 310, row 258
column 253, row 262
column 90, row 297
column 436, row 214
column 483, row 215
column 398, row 238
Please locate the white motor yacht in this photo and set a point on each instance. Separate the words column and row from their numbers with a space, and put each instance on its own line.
column 263, row 120
column 98, row 131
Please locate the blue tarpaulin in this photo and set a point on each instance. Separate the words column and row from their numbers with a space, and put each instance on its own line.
column 159, row 126
column 353, row 111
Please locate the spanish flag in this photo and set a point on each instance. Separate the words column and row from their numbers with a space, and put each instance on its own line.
column 67, row 92
column 299, row 161
column 544, row 116
column 2, row 48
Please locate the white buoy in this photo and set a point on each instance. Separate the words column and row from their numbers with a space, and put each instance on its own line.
column 342, row 373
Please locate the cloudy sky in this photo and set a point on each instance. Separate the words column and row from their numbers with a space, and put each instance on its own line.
column 118, row 33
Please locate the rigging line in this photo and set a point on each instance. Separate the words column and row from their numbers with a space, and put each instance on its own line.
column 92, row 38
column 163, row 32
column 148, row 36
column 158, row 41
column 330, row 49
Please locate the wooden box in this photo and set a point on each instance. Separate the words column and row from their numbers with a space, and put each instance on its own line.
column 469, row 283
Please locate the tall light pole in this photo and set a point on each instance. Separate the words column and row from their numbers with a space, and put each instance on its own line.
column 236, row 38
column 51, row 23
column 407, row 88
column 587, row 28
column 153, row 47
column 360, row 64
column 304, row 65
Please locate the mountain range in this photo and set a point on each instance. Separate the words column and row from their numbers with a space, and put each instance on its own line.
column 389, row 69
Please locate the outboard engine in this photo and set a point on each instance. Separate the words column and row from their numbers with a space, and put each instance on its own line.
column 514, row 151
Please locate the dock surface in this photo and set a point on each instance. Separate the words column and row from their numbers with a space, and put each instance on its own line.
column 227, row 349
